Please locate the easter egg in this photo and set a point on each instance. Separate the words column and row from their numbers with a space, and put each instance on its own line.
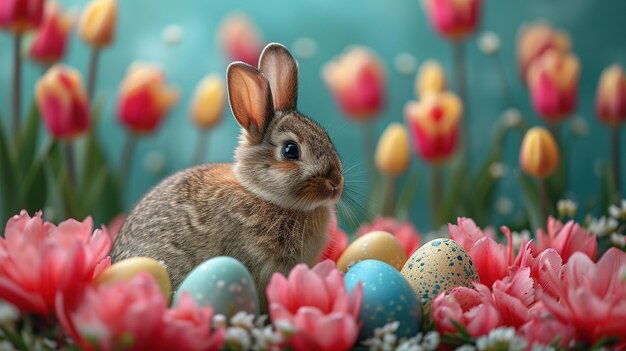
column 377, row 245
column 127, row 269
column 387, row 297
column 439, row 265
column 222, row 283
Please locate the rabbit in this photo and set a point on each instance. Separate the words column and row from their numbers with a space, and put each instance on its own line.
column 270, row 209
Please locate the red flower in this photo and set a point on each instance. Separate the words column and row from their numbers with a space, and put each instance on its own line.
column 38, row 260
column 240, row 39
column 316, row 303
column 611, row 96
column 19, row 16
column 51, row 38
column 472, row 309
column 337, row 241
column 566, row 239
column 405, row 232
column 453, row 19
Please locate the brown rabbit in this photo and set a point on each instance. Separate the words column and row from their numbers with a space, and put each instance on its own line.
column 270, row 209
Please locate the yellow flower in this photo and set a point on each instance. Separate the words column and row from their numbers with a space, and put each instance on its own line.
column 539, row 154
column 430, row 79
column 97, row 23
column 611, row 96
column 392, row 152
column 207, row 105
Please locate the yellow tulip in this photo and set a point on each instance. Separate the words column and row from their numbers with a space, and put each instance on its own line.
column 430, row 79
column 97, row 23
column 536, row 39
column 393, row 153
column 539, row 154
column 611, row 96
column 207, row 105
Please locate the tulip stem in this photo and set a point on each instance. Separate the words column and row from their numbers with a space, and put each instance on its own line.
column 127, row 157
column 616, row 165
column 94, row 58
column 17, row 85
column 201, row 148
column 545, row 200
column 436, row 195
column 390, row 189
column 460, row 75
column 71, row 164
column 504, row 81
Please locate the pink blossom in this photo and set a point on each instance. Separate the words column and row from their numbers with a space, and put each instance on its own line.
column 544, row 329
column 472, row 309
column 337, row 241
column 38, row 260
column 316, row 303
column 591, row 296
column 566, row 239
column 404, row 231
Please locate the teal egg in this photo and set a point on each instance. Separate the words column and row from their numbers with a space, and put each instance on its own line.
column 387, row 297
column 222, row 283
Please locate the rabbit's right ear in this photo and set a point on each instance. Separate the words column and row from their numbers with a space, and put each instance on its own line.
column 250, row 99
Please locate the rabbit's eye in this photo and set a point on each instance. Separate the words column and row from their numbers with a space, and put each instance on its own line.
column 290, row 151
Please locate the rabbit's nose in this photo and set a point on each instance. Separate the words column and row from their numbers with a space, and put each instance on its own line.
column 335, row 181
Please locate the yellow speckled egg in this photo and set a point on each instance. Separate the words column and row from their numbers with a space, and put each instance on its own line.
column 439, row 265
column 377, row 245
column 127, row 269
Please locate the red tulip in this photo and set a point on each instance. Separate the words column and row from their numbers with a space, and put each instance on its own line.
column 18, row 16
column 453, row 19
column 240, row 39
column 536, row 39
column 553, row 84
column 50, row 40
column 611, row 96
column 39, row 260
column 434, row 125
column 63, row 103
column 357, row 81
column 144, row 99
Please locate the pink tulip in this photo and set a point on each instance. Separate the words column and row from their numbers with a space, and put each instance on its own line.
column 453, row 19
column 19, row 16
column 240, row 39
column 39, row 260
column 337, row 241
column 536, row 39
column 316, row 303
column 545, row 329
column 404, row 231
column 591, row 296
column 611, row 96
column 553, row 83
column 566, row 239
column 357, row 81
column 513, row 297
column 51, row 37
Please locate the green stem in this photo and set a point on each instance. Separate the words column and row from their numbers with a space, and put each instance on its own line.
column 460, row 76
column 17, row 85
column 127, row 157
column 436, row 194
column 615, row 153
column 368, row 149
column 390, row 189
column 71, row 163
column 201, row 148
column 94, row 57
column 504, row 81
column 545, row 200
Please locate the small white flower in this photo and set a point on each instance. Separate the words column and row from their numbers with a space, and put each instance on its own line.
column 501, row 339
column 602, row 226
column 304, row 48
column 431, row 340
column 466, row 347
column 154, row 162
column 539, row 347
column 8, row 313
column 512, row 118
column 618, row 240
column 489, row 43
column 7, row 346
column 405, row 63
column 618, row 212
column 497, row 170
column 172, row 35
column 579, row 126
column 519, row 238
column 504, row 205
column 239, row 337
column 286, row 328
column 219, row 321
column 243, row 320
column 567, row 207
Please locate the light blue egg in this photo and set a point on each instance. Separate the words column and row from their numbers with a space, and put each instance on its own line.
column 387, row 297
column 223, row 283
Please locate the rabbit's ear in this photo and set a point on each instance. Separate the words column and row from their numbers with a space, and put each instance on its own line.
column 281, row 69
column 250, row 99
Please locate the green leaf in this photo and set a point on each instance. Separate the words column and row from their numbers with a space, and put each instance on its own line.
column 9, row 203
column 92, row 195
column 28, row 140
column 532, row 201
column 14, row 339
column 60, row 178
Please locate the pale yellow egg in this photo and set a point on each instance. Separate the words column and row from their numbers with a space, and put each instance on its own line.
column 127, row 269
column 377, row 245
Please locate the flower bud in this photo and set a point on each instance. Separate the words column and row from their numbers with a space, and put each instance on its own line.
column 539, row 154
column 19, row 16
column 357, row 81
column 430, row 79
column 63, row 103
column 207, row 105
column 144, row 99
column 533, row 40
column 97, row 23
column 392, row 151
column 453, row 19
column 611, row 96
column 553, row 84
column 50, row 39
column 240, row 39
column 434, row 125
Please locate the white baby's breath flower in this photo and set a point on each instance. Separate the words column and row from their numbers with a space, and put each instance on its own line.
column 579, row 126
column 567, row 207
column 466, row 347
column 238, row 338
column 8, row 313
column 618, row 212
column 501, row 339
column 431, row 340
column 172, row 35
column 504, row 205
column 512, row 118
column 219, row 321
column 618, row 240
column 602, row 226
column 7, row 346
column 287, row 329
column 539, row 347
column 265, row 338
column 243, row 320
column 497, row 170
column 489, row 43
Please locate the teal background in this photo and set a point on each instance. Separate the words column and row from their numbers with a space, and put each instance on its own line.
column 597, row 27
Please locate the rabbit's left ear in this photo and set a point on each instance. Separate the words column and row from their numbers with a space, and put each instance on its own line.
column 281, row 70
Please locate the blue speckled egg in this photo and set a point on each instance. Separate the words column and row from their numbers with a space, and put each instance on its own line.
column 223, row 283
column 387, row 297
column 439, row 265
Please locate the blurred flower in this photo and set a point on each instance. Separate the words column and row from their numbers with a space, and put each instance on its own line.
column 19, row 16
column 618, row 240
column 434, row 124
column 611, row 96
column 63, row 103
column 240, row 39
column 357, row 81
column 97, row 23
column 533, row 40
column 431, row 78
column 602, row 226
column 566, row 239
column 337, row 241
column 316, row 303
column 489, row 43
column 579, row 126
column 591, row 297
column 566, row 207
column 393, row 151
column 512, row 118
column 618, row 212
column 144, row 99
column 405, row 232
column 553, row 84
column 38, row 260
column 539, row 154
column 207, row 105
column 501, row 339
column 453, row 19
column 50, row 39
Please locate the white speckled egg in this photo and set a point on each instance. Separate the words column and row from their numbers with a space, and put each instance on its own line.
column 439, row 265
column 223, row 283
column 376, row 245
column 387, row 297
